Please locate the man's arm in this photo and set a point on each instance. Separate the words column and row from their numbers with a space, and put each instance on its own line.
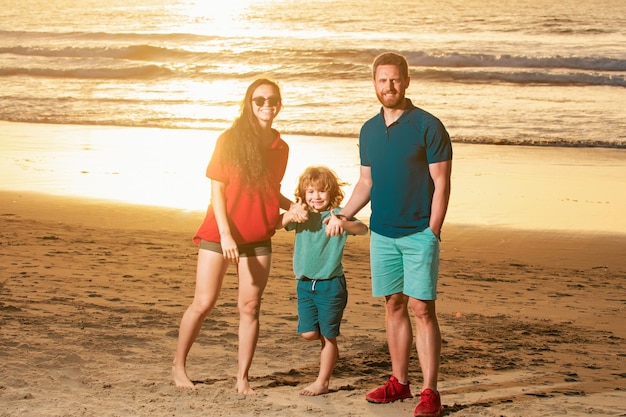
column 361, row 194
column 353, row 227
column 440, row 172
column 359, row 198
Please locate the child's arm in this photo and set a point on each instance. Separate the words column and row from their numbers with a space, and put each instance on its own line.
column 351, row 226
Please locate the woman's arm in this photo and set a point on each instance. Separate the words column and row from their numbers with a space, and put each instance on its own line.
column 285, row 203
column 297, row 213
column 218, row 201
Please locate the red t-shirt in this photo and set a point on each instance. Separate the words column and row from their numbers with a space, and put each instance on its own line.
column 252, row 213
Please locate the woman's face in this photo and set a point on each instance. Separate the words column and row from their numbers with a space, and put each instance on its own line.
column 265, row 104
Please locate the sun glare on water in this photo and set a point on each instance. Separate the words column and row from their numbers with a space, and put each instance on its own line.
column 226, row 16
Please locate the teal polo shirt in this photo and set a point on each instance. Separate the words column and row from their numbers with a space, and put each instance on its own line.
column 399, row 155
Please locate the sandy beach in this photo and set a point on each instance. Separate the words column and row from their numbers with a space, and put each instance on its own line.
column 93, row 291
column 531, row 297
column 109, row 114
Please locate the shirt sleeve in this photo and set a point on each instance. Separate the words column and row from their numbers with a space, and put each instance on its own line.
column 363, row 147
column 438, row 145
column 216, row 169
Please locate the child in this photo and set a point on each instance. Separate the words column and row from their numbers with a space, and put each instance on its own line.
column 321, row 284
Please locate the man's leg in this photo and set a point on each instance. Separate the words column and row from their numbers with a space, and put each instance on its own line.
column 427, row 340
column 428, row 344
column 399, row 335
column 388, row 278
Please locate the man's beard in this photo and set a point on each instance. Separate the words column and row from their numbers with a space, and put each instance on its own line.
column 392, row 103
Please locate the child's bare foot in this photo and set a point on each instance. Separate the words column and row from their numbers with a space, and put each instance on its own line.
column 315, row 389
column 181, row 379
column 244, row 388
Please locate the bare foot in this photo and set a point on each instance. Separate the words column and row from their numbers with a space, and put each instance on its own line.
column 315, row 389
column 244, row 388
column 181, row 379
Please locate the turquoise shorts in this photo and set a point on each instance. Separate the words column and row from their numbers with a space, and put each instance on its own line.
column 320, row 305
column 408, row 265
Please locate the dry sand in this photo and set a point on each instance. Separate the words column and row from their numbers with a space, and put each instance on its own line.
column 92, row 292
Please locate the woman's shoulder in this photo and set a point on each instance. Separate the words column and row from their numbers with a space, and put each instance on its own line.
column 222, row 138
column 279, row 142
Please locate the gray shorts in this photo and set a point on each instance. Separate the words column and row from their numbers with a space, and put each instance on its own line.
column 248, row 249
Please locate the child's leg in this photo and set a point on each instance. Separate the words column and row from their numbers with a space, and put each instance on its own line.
column 328, row 359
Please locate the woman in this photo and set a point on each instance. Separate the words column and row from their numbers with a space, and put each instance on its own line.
column 246, row 169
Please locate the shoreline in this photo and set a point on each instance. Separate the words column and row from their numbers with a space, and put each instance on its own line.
column 615, row 144
column 492, row 243
column 519, row 187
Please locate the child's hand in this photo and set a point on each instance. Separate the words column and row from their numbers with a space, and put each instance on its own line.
column 334, row 225
column 298, row 212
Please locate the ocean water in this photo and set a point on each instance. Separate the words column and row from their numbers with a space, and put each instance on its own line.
column 538, row 72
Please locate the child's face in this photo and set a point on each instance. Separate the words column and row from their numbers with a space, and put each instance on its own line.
column 317, row 199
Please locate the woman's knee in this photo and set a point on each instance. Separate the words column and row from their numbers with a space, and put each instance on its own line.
column 250, row 307
column 202, row 306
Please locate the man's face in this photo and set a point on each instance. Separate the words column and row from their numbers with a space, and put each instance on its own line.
column 390, row 86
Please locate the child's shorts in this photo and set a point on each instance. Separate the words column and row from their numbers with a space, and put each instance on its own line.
column 321, row 304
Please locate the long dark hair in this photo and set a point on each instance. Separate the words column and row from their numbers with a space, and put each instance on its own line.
column 243, row 147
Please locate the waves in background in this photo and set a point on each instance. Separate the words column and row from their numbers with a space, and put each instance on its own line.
column 517, row 72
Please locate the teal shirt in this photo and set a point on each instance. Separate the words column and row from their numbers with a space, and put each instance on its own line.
column 316, row 255
column 399, row 157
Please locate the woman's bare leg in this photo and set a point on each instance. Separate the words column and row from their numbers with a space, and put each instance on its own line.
column 210, row 272
column 253, row 274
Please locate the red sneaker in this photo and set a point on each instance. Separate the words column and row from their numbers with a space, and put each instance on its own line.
column 429, row 405
column 390, row 392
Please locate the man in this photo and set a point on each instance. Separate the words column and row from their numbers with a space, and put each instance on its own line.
column 406, row 162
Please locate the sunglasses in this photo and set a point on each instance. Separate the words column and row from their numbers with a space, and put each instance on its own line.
column 271, row 101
